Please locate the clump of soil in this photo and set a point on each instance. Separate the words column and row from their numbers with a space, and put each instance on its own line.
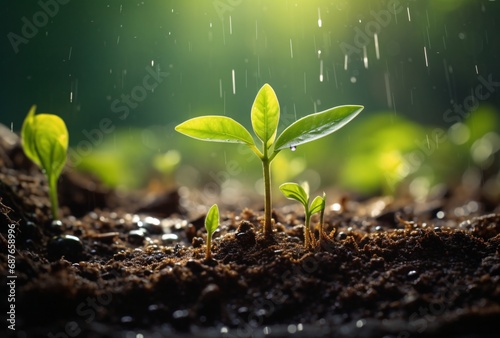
column 115, row 266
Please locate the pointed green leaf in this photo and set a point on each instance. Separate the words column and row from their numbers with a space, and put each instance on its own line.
column 317, row 205
column 266, row 115
column 315, row 126
column 215, row 129
column 212, row 219
column 28, row 137
column 45, row 142
column 294, row 191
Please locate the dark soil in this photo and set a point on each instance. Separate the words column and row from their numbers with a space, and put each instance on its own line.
column 387, row 268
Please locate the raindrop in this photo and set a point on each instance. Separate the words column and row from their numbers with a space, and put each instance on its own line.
column 346, row 59
column 293, row 148
column 319, row 19
column 353, row 79
column 408, row 10
column 377, row 52
column 291, row 49
column 477, row 70
column 230, row 26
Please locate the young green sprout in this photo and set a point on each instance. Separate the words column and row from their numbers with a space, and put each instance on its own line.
column 265, row 116
column 300, row 193
column 45, row 141
column 211, row 224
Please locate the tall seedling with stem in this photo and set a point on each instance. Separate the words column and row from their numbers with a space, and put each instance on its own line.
column 265, row 116
column 45, row 141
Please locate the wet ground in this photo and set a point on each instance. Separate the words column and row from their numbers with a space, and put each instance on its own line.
column 123, row 265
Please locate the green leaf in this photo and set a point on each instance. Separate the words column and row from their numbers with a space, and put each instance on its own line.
column 215, row 129
column 45, row 142
column 266, row 115
column 317, row 205
column 294, row 191
column 315, row 126
column 212, row 219
column 28, row 137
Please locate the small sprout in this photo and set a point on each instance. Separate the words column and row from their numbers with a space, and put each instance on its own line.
column 300, row 193
column 265, row 114
column 45, row 141
column 211, row 224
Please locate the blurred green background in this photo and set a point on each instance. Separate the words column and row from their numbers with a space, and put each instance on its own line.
column 122, row 74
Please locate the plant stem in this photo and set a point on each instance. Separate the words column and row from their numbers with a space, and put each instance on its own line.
column 268, row 228
column 54, row 203
column 209, row 247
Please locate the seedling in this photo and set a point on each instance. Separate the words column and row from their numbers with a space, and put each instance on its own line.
column 265, row 116
column 211, row 224
column 45, row 141
column 300, row 193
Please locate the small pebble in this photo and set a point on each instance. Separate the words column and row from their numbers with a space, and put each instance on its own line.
column 56, row 226
column 412, row 274
column 67, row 246
column 152, row 225
column 136, row 237
column 181, row 320
column 197, row 242
column 169, row 239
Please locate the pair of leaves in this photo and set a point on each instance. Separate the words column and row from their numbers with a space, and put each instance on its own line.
column 45, row 142
column 265, row 118
column 300, row 193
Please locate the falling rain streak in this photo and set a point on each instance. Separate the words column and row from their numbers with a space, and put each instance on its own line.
column 321, row 71
column 388, row 90
column 425, row 54
column 320, row 23
column 377, row 51
column 291, row 49
column 234, row 82
column 365, row 57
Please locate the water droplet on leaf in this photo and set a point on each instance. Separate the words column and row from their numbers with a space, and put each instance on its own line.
column 293, row 148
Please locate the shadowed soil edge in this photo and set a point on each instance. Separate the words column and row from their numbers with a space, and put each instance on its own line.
column 392, row 268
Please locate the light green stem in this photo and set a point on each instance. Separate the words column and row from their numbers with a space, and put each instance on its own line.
column 53, row 197
column 268, row 227
column 209, row 247
column 307, row 230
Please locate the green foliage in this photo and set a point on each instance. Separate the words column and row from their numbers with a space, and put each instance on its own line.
column 45, row 141
column 211, row 224
column 265, row 115
column 300, row 193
